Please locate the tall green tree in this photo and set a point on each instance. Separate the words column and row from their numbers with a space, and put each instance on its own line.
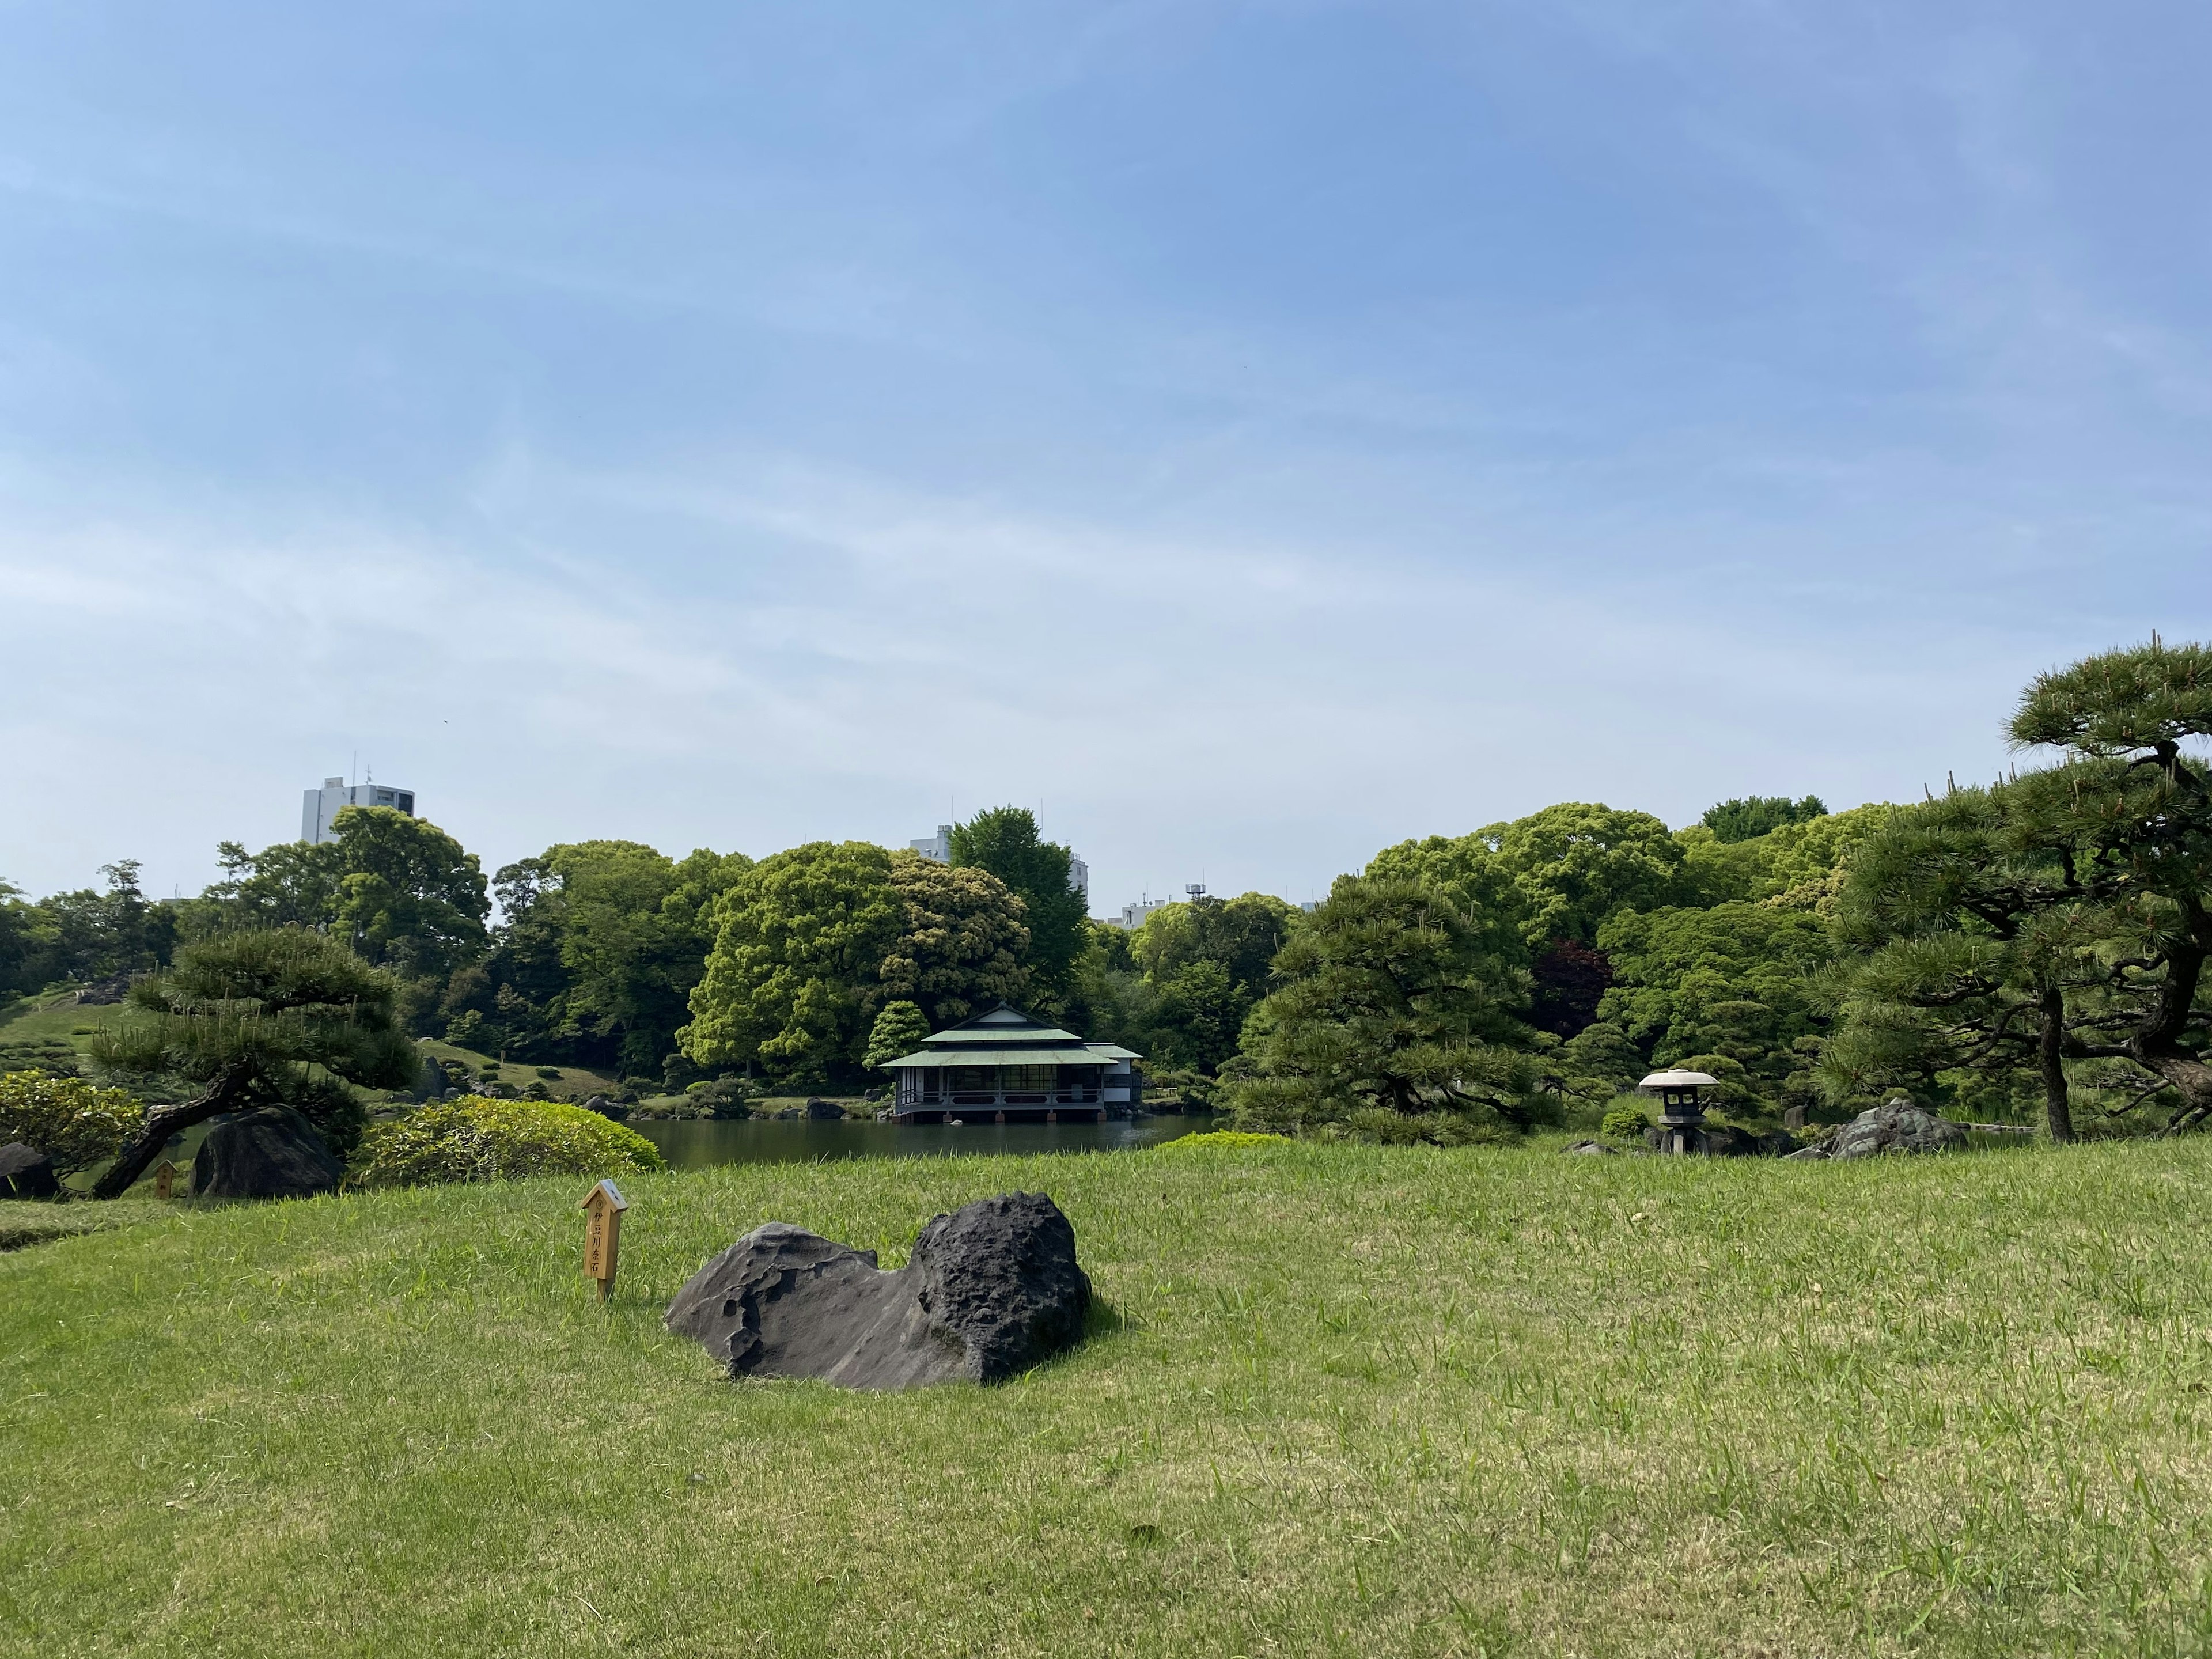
column 1207, row 963
column 70, row 937
column 898, row 1030
column 403, row 893
column 1390, row 1021
column 794, row 976
column 1978, row 950
column 2132, row 810
column 961, row 941
column 408, row 896
column 1737, row 980
column 1005, row 842
column 1468, row 873
column 250, row 1018
column 1749, row 817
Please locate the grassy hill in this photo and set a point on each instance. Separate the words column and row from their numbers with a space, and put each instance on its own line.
column 52, row 1021
column 567, row 1083
column 1340, row 1400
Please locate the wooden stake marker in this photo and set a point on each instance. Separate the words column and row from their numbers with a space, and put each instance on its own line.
column 602, row 1208
column 165, row 1179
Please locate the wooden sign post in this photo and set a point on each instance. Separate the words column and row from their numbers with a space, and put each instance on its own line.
column 602, row 1208
column 165, row 1179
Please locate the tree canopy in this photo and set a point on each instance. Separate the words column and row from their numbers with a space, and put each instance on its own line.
column 1005, row 842
column 794, row 979
column 1750, row 816
column 962, row 944
column 1390, row 1020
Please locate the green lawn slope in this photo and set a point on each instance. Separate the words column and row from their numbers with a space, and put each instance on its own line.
column 1340, row 1400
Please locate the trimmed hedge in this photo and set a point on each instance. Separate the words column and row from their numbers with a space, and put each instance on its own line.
column 478, row 1139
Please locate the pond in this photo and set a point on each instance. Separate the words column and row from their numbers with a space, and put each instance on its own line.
column 697, row 1142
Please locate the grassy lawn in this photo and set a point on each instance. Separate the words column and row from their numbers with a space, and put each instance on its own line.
column 1343, row 1401
column 55, row 1019
column 571, row 1083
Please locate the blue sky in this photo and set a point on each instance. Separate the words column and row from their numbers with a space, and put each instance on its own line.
column 1250, row 435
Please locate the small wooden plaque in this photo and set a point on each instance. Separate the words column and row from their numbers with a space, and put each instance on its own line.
column 165, row 1179
column 602, row 1208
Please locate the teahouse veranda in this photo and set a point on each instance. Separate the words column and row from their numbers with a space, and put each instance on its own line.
column 1006, row 1066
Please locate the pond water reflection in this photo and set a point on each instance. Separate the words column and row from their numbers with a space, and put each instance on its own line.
column 698, row 1143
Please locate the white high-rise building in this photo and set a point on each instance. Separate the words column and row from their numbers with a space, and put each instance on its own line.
column 318, row 807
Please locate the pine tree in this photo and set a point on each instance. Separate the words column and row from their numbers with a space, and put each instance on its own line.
column 252, row 1018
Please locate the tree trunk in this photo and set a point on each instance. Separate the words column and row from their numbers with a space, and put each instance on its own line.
column 2058, row 1105
column 220, row 1095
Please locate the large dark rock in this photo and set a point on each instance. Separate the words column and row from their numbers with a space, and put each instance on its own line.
column 1898, row 1127
column 990, row 1290
column 27, row 1172
column 104, row 993
column 270, row 1152
column 825, row 1108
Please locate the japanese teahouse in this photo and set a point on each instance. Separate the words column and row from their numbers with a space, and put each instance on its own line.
column 1007, row 1068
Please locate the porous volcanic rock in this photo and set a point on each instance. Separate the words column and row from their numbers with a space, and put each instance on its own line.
column 269, row 1153
column 1898, row 1127
column 27, row 1172
column 990, row 1290
column 825, row 1108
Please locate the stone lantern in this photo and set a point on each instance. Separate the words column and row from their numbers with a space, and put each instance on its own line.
column 1681, row 1113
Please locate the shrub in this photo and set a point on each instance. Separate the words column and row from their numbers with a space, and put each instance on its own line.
column 477, row 1138
column 1226, row 1139
column 68, row 1119
column 1624, row 1123
column 551, row 1074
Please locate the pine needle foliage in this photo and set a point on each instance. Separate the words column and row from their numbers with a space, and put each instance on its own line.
column 279, row 1015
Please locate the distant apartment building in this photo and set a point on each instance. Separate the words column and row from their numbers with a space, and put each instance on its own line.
column 1133, row 916
column 319, row 807
column 937, row 848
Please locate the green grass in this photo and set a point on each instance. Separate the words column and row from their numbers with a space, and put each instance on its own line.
column 573, row 1082
column 56, row 1019
column 22, row 1225
column 1340, row 1400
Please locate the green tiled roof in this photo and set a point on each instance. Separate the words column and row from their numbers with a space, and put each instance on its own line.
column 1069, row 1054
column 1007, row 1036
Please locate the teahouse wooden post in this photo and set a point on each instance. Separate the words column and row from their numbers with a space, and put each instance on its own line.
column 602, row 1208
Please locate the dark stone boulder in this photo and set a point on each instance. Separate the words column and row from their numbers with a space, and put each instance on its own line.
column 104, row 993
column 1898, row 1127
column 27, row 1172
column 1808, row 1152
column 1726, row 1140
column 607, row 1108
column 825, row 1108
column 1589, row 1149
column 990, row 1290
column 270, row 1152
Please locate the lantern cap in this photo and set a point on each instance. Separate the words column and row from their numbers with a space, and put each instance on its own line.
column 1678, row 1079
